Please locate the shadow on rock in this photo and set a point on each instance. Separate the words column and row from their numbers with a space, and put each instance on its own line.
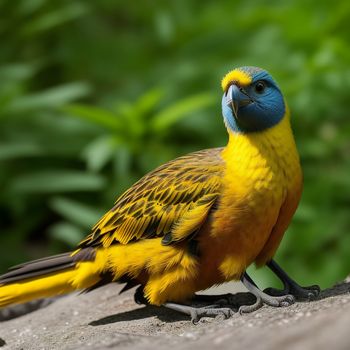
column 167, row 315
column 163, row 314
column 338, row 289
column 15, row 311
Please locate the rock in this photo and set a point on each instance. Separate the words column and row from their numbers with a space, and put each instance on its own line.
column 104, row 320
column 22, row 309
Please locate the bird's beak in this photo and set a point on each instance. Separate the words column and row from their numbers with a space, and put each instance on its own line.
column 236, row 98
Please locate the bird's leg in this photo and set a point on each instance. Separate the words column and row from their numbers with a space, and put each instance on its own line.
column 139, row 296
column 196, row 313
column 290, row 286
column 262, row 298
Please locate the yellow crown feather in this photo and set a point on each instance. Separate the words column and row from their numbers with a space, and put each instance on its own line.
column 236, row 75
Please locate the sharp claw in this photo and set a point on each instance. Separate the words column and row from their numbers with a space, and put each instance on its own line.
column 311, row 296
column 314, row 290
column 194, row 318
column 224, row 314
column 230, row 313
column 287, row 300
column 242, row 310
column 246, row 309
column 285, row 304
column 291, row 299
column 194, row 321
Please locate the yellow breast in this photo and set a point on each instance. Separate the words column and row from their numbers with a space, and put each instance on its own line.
column 262, row 177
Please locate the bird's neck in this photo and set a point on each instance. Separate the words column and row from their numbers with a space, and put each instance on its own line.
column 258, row 156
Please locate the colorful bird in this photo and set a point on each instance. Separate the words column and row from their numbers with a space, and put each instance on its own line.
column 197, row 221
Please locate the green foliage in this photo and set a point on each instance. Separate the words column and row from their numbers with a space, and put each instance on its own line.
column 95, row 94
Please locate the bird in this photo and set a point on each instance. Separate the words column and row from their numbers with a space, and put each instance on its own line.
column 195, row 222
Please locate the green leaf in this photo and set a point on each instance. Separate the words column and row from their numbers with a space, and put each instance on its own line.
column 98, row 153
column 78, row 213
column 17, row 71
column 55, row 18
column 181, row 109
column 50, row 181
column 13, row 151
column 67, row 233
column 147, row 102
column 95, row 115
column 54, row 97
column 122, row 160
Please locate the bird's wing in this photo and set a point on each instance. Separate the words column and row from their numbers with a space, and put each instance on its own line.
column 171, row 202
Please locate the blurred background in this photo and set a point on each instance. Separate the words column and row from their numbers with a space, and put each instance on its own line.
column 94, row 94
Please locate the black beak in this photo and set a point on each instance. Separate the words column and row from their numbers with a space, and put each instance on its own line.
column 236, row 98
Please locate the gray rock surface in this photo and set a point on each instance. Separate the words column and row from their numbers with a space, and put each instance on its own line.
column 104, row 320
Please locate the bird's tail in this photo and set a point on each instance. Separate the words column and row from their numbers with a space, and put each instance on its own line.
column 59, row 274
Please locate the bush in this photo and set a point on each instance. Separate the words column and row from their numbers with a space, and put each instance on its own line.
column 95, row 94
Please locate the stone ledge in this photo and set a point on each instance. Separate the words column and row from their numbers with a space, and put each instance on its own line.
column 103, row 319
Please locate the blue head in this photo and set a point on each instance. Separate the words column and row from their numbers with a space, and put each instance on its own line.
column 252, row 101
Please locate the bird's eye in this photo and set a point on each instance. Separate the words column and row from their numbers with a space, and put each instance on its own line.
column 260, row 87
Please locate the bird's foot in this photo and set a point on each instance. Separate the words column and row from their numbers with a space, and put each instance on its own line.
column 262, row 298
column 290, row 286
column 265, row 299
column 196, row 313
column 247, row 309
column 300, row 293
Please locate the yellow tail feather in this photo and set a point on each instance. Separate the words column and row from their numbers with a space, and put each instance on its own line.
column 82, row 275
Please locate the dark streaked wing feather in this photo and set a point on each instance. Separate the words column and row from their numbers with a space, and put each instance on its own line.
column 181, row 189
